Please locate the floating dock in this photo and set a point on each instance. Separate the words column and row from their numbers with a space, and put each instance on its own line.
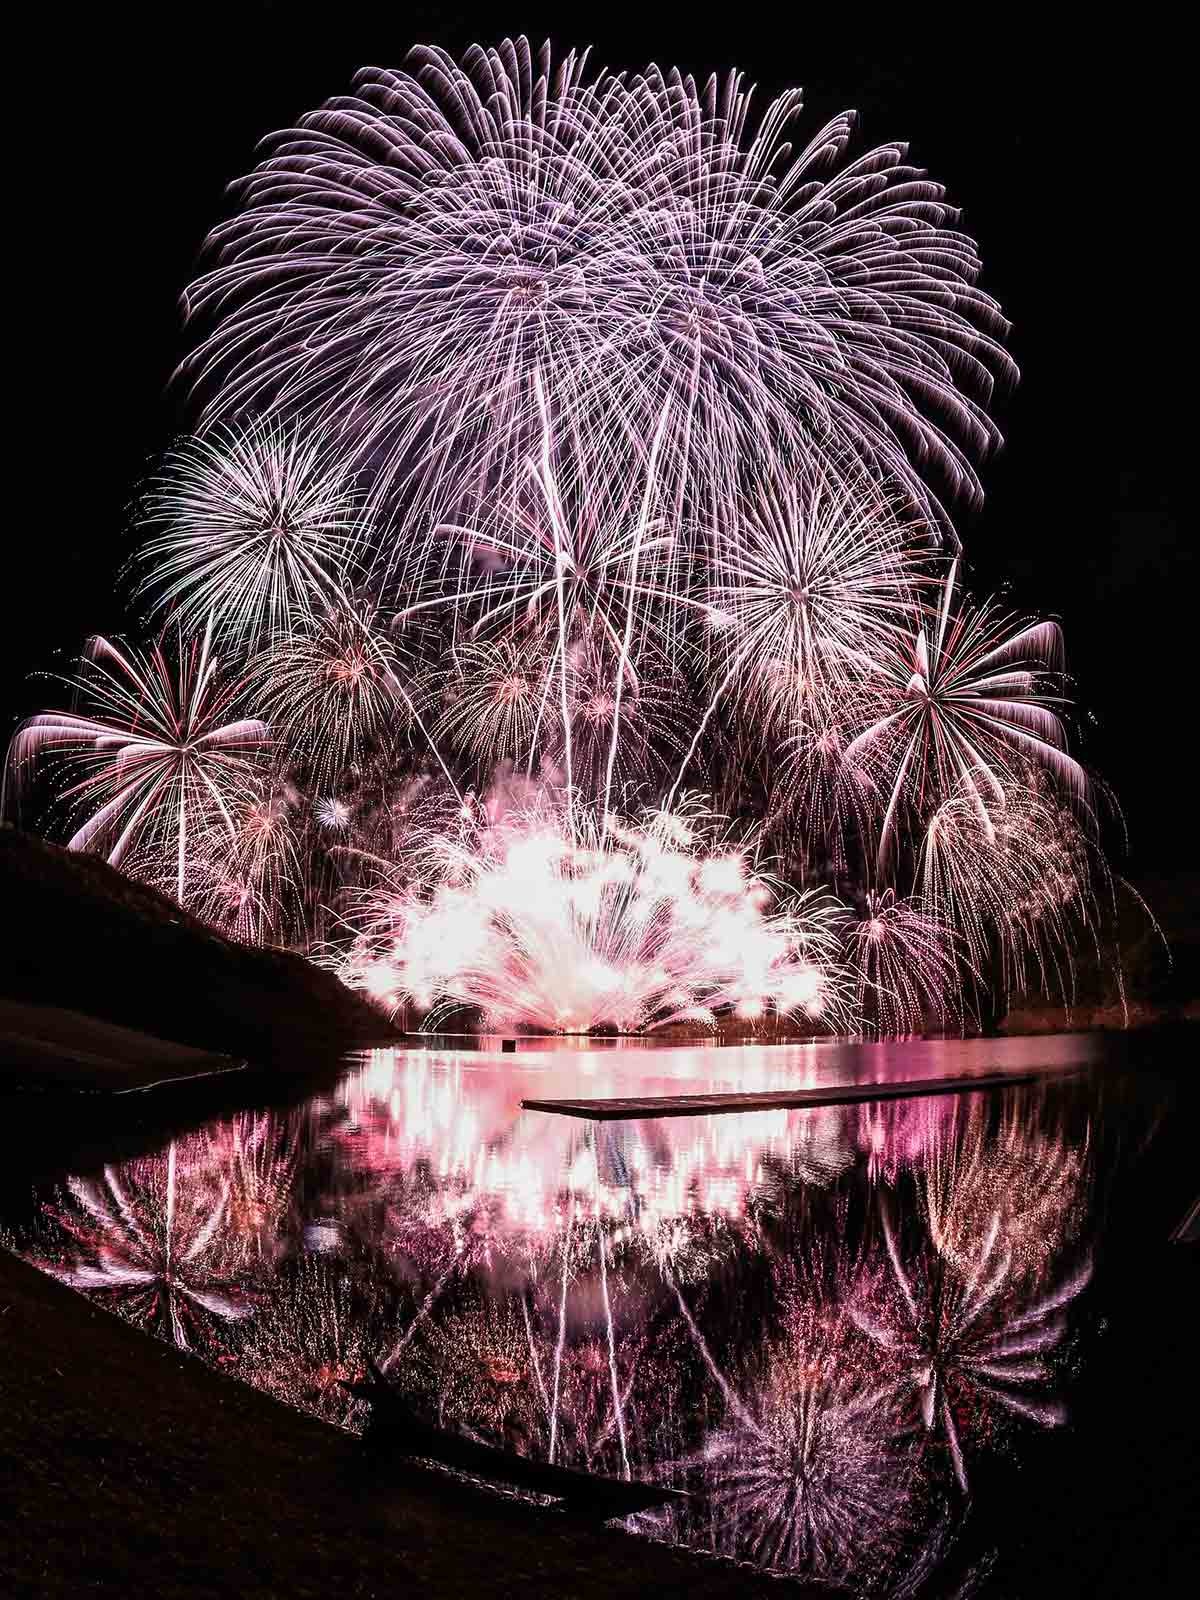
column 848, row 1094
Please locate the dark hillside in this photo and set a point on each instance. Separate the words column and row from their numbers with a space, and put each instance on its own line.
column 82, row 935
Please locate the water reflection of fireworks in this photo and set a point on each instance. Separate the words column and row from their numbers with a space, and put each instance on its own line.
column 809, row 1470
column 321, row 1326
column 257, row 1152
column 728, row 1304
column 966, row 1344
column 1026, row 1184
column 149, row 1239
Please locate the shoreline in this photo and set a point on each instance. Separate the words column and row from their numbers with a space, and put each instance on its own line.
column 45, row 1046
column 169, row 1478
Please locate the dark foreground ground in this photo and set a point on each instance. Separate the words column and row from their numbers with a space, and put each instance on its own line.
column 129, row 1469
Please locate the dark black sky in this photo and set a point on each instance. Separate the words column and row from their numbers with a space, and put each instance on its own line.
column 1067, row 153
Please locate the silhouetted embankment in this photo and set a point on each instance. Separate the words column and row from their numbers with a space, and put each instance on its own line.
column 127, row 1468
column 82, row 936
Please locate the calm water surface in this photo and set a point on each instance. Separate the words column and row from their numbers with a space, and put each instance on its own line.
column 908, row 1348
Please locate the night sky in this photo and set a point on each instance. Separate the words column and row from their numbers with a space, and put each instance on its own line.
column 1066, row 153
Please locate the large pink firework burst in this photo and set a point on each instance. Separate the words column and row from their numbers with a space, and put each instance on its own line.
column 560, row 923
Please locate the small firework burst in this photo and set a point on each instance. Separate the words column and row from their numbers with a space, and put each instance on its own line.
column 966, row 696
column 330, row 687
column 254, row 526
column 904, row 964
column 159, row 752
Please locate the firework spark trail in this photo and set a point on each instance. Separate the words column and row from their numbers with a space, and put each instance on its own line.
column 727, row 1393
column 623, row 659
column 618, row 1407
column 559, row 563
column 534, row 1361
column 561, row 1341
column 426, row 1306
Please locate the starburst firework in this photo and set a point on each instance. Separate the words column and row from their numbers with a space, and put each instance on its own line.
column 963, row 699
column 160, row 749
column 254, row 526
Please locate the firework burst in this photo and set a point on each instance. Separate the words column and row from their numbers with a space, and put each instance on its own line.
column 159, row 750
column 253, row 526
column 410, row 257
column 331, row 689
column 905, row 967
column 1015, row 881
column 816, row 576
column 966, row 696
column 629, row 927
column 810, row 1471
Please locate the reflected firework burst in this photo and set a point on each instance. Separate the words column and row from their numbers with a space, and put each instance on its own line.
column 149, row 1240
column 964, row 1341
column 811, row 1472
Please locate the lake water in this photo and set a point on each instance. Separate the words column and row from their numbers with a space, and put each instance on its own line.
column 918, row 1347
